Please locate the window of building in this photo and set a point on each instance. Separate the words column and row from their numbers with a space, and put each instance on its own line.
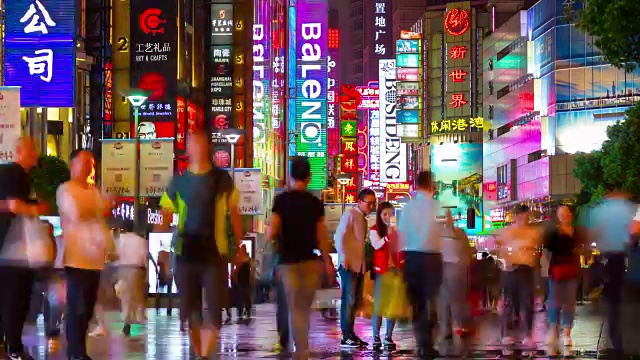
column 537, row 155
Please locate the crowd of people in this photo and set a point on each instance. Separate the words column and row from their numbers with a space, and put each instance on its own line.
column 422, row 258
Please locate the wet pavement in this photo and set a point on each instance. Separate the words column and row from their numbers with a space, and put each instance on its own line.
column 161, row 338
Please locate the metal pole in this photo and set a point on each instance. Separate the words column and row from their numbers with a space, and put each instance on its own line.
column 343, row 198
column 233, row 163
column 136, row 194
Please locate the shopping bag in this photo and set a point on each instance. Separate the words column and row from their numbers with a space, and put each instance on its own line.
column 28, row 244
column 365, row 307
column 394, row 303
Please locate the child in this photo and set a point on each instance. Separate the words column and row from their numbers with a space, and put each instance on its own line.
column 132, row 271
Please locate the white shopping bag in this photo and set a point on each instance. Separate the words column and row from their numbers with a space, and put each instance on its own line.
column 28, row 243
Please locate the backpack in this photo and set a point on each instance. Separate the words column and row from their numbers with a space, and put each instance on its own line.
column 223, row 183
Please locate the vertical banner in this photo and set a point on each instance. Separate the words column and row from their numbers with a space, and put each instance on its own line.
column 393, row 153
column 156, row 166
column 249, row 184
column 409, row 71
column 311, row 87
column 39, row 51
column 154, row 57
column 261, row 76
column 374, row 144
column 119, row 167
column 333, row 94
column 10, row 127
column 349, row 101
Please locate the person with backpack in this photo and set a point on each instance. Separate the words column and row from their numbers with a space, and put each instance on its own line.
column 206, row 200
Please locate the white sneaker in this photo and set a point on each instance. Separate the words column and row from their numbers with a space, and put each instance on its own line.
column 99, row 331
column 507, row 343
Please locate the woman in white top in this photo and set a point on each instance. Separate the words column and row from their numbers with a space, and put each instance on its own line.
column 132, row 250
column 87, row 241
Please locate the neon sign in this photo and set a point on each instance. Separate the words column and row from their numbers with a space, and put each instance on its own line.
column 456, row 125
column 311, row 86
column 457, row 100
column 457, row 22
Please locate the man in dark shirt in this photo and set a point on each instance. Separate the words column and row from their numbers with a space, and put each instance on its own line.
column 299, row 229
column 15, row 199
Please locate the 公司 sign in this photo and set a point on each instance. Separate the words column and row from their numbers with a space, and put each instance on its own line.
column 393, row 153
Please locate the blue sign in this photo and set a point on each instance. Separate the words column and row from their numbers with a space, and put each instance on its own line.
column 40, row 51
column 408, row 60
column 408, row 46
column 408, row 116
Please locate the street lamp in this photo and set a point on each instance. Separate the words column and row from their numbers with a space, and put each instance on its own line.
column 232, row 136
column 343, row 180
column 137, row 97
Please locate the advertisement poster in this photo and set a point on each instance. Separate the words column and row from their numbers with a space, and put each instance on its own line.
column 154, row 56
column 159, row 251
column 393, row 153
column 119, row 167
column 457, row 170
column 248, row 182
column 9, row 123
column 156, row 166
column 39, row 51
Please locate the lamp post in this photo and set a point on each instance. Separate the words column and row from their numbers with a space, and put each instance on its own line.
column 137, row 97
column 232, row 136
column 343, row 180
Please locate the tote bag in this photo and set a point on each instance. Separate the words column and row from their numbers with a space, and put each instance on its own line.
column 28, row 244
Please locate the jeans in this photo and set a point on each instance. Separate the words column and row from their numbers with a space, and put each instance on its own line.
column 614, row 273
column 376, row 320
column 282, row 314
column 17, row 290
column 519, row 287
column 82, row 295
column 562, row 302
column 351, row 284
column 423, row 276
column 453, row 298
column 53, row 305
column 300, row 280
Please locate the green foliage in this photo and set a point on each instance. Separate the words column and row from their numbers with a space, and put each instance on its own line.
column 616, row 165
column 614, row 25
column 50, row 172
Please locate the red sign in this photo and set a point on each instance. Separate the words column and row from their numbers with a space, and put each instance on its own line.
column 348, row 147
column 349, row 164
column 108, row 92
column 368, row 91
column 154, row 130
column 350, row 197
column 457, row 22
column 457, row 100
column 154, row 82
column 181, row 126
column 458, row 75
column 410, row 35
column 334, row 38
column 407, row 74
column 150, row 21
column 458, row 52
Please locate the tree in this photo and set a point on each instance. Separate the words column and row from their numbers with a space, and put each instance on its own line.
column 614, row 26
column 616, row 165
column 50, row 173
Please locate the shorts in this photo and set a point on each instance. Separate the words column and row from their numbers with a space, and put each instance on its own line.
column 193, row 278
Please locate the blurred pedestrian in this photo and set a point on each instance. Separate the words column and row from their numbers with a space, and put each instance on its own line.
column 242, row 279
column 298, row 226
column 17, row 278
column 350, row 239
column 420, row 240
column 205, row 198
column 87, row 242
column 132, row 250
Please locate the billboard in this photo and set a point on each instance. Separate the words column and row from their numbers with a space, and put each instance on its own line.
column 154, row 56
column 10, row 123
column 393, row 153
column 409, row 89
column 333, row 94
column 374, row 144
column 261, row 76
column 457, row 170
column 311, row 86
column 39, row 51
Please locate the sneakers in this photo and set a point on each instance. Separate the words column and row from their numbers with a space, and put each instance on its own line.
column 377, row 343
column 353, row 342
column 99, row 331
column 552, row 343
column 568, row 346
column 389, row 344
column 126, row 330
column 19, row 356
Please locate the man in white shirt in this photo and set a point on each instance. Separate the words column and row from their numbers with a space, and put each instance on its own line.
column 87, row 242
column 350, row 238
column 518, row 246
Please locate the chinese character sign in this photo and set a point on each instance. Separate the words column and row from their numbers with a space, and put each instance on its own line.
column 311, row 86
column 456, row 125
column 40, row 51
column 381, row 28
column 393, row 153
column 154, row 56
column 409, row 89
column 457, row 56
column 374, row 145
column 333, row 94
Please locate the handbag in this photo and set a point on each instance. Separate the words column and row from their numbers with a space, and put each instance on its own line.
column 28, row 243
column 394, row 303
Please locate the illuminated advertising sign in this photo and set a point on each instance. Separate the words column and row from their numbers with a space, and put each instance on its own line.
column 457, row 60
column 411, row 102
column 278, row 27
column 349, row 101
column 457, row 170
column 408, row 117
column 408, row 46
column 221, row 24
column 261, row 73
column 369, row 97
column 408, row 60
column 154, row 56
column 39, row 51
column 408, row 74
column 221, row 79
column 393, row 153
column 409, row 131
column 382, row 37
column 410, row 35
column 408, row 88
column 453, row 125
column 333, row 97
column 374, row 145
column 311, row 86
